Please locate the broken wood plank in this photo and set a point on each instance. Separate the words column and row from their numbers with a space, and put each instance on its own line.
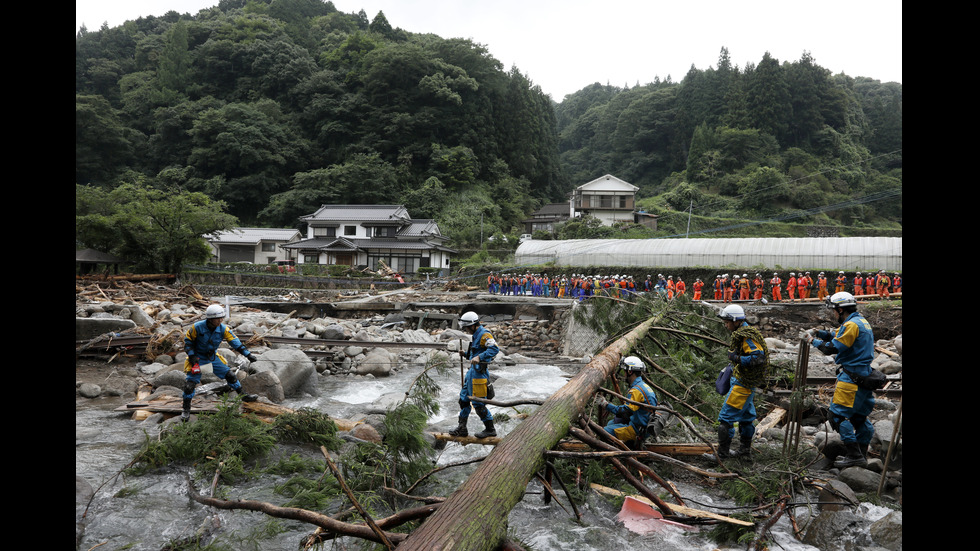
column 679, row 509
column 774, row 418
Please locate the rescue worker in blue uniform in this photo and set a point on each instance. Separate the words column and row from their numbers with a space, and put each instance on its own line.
column 630, row 421
column 853, row 347
column 482, row 350
column 201, row 343
column 749, row 357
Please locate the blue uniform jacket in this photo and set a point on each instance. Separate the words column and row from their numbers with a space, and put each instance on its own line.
column 854, row 344
column 639, row 417
column 201, row 341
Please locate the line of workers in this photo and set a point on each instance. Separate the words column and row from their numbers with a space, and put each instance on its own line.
column 726, row 287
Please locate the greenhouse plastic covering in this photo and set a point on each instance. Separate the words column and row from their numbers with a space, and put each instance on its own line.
column 843, row 253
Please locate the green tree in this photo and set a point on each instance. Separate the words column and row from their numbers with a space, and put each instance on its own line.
column 103, row 144
column 157, row 229
column 172, row 73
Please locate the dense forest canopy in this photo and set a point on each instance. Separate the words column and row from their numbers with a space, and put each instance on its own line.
column 270, row 108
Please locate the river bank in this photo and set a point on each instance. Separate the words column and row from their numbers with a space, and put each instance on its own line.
column 344, row 393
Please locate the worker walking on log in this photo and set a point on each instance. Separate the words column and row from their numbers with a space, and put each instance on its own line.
column 482, row 350
column 853, row 348
column 201, row 343
column 749, row 357
column 631, row 420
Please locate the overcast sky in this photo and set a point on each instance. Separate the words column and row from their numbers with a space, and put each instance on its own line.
column 565, row 45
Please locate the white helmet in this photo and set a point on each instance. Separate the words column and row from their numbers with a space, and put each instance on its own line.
column 632, row 363
column 214, row 311
column 732, row 312
column 840, row 300
column 468, row 319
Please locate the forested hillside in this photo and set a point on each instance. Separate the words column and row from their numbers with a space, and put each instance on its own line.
column 263, row 110
column 769, row 141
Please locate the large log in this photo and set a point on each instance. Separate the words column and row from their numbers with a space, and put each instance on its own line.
column 474, row 517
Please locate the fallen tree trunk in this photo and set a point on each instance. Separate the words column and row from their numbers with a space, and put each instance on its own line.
column 474, row 517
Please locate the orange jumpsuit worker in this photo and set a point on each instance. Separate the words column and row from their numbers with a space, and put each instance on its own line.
column 858, row 284
column 896, row 283
column 791, row 286
column 698, row 284
column 884, row 282
column 680, row 286
column 777, row 293
column 841, row 282
column 803, row 286
column 870, row 283
column 758, row 283
column 670, row 287
column 821, row 286
column 743, row 287
column 728, row 285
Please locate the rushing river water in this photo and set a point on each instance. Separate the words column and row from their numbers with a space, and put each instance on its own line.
column 147, row 512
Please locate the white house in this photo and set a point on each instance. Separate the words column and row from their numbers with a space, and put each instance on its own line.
column 366, row 235
column 607, row 198
column 255, row 245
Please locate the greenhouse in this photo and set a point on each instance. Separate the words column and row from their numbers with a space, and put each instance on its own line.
column 844, row 253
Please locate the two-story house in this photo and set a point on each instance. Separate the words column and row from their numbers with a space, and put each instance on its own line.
column 255, row 245
column 607, row 198
column 547, row 217
column 366, row 235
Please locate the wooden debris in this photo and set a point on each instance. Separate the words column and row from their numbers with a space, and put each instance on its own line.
column 678, row 509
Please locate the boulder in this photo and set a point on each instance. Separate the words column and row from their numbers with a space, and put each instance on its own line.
column 838, row 531
column 89, row 390
column 295, row 371
column 89, row 328
column 887, row 531
column 265, row 383
column 333, row 332
column 376, row 362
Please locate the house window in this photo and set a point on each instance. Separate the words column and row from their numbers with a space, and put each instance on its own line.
column 605, row 201
column 350, row 230
column 311, row 258
column 623, row 199
column 324, row 232
column 384, row 232
column 268, row 247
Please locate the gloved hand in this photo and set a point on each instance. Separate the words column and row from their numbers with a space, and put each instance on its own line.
column 735, row 358
column 462, row 354
column 602, row 402
column 195, row 369
column 251, row 357
column 823, row 335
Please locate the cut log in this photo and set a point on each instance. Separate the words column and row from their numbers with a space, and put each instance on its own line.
column 475, row 515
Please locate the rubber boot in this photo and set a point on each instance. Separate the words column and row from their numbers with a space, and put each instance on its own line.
column 724, row 443
column 186, row 413
column 487, row 431
column 460, row 429
column 744, row 449
column 853, row 457
column 246, row 397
